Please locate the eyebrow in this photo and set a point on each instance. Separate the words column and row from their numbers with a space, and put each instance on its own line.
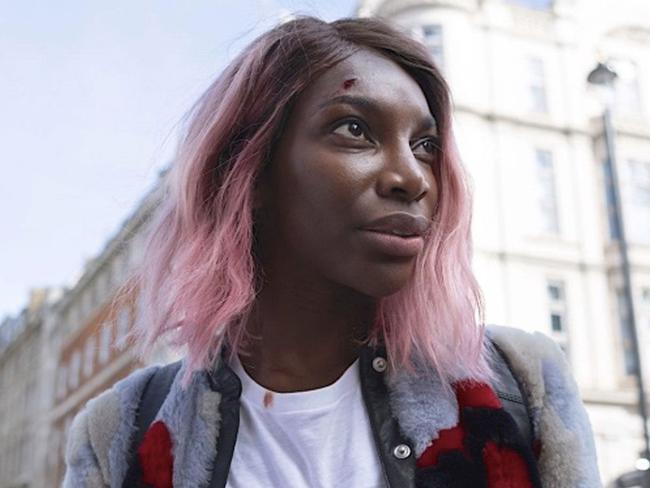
column 367, row 104
column 355, row 101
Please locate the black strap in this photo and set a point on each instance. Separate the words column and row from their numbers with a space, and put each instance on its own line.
column 510, row 392
column 224, row 380
column 153, row 395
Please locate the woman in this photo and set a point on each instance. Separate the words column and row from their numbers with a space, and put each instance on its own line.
column 313, row 256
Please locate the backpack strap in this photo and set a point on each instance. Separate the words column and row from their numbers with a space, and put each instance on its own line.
column 510, row 392
column 155, row 392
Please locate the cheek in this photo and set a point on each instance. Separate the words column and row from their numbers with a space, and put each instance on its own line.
column 325, row 185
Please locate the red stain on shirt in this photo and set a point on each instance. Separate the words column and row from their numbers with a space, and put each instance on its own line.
column 268, row 399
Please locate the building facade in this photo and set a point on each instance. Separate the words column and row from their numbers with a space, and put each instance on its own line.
column 23, row 397
column 87, row 337
column 530, row 133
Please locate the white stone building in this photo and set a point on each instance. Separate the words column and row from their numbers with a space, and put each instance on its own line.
column 23, row 397
column 529, row 131
column 87, row 332
column 64, row 349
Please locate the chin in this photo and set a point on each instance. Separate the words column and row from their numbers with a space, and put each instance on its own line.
column 385, row 283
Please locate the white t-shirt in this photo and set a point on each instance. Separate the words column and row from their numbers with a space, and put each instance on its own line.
column 310, row 439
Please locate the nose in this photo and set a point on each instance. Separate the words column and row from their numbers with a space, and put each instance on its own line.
column 403, row 176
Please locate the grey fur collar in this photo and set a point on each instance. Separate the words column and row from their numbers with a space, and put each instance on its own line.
column 422, row 405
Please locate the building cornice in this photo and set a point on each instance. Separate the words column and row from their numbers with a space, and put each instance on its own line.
column 623, row 127
column 632, row 33
column 531, row 122
column 621, row 397
column 387, row 8
column 538, row 259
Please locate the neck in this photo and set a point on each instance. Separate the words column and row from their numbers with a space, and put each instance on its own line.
column 304, row 337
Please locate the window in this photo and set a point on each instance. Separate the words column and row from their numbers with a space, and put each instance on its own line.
column 89, row 356
column 557, row 324
column 645, row 296
column 123, row 323
column 93, row 293
column 637, row 200
column 644, row 318
column 557, row 310
column 75, row 366
column 627, row 95
column 86, row 302
column 629, row 360
column 431, row 36
column 62, row 381
column 537, row 85
column 534, row 4
column 557, row 305
column 101, row 286
column 547, row 194
column 640, row 182
column 105, row 336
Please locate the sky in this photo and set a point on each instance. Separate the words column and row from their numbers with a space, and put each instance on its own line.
column 91, row 95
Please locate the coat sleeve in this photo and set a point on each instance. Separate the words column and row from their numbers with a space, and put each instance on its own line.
column 99, row 438
column 82, row 465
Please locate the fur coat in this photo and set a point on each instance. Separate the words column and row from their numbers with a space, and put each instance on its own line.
column 100, row 434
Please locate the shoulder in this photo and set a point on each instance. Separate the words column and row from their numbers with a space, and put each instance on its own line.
column 567, row 456
column 531, row 356
column 539, row 364
column 516, row 341
column 100, row 433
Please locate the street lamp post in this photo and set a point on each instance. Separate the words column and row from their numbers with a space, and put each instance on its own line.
column 605, row 76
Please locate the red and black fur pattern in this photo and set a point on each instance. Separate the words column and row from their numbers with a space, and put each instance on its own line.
column 485, row 449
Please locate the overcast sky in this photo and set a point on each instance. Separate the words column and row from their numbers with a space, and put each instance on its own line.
column 90, row 95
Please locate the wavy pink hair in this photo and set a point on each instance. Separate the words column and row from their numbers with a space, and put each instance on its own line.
column 199, row 277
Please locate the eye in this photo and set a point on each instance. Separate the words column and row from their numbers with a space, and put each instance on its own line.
column 429, row 145
column 352, row 128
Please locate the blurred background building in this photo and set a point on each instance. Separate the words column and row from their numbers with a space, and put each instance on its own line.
column 87, row 332
column 64, row 349
column 530, row 132
column 24, row 392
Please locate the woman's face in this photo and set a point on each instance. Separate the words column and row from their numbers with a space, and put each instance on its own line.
column 350, row 192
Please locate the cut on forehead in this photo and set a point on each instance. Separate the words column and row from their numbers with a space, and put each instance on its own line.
column 363, row 67
column 369, row 74
column 349, row 83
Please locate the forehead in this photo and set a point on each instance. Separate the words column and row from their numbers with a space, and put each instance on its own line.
column 370, row 74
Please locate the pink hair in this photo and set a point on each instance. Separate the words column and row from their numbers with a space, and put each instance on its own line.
column 199, row 277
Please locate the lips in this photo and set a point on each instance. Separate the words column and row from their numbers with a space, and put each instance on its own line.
column 400, row 224
column 399, row 235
